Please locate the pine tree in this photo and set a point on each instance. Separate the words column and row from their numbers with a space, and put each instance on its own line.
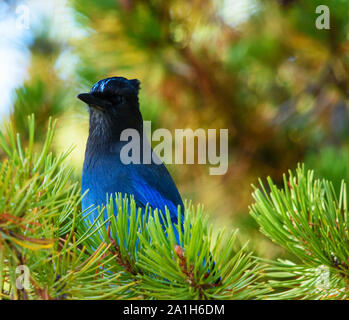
column 49, row 249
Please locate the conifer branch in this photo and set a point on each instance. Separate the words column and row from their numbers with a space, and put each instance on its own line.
column 309, row 220
column 122, row 253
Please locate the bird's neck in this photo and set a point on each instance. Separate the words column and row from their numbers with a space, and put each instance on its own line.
column 104, row 133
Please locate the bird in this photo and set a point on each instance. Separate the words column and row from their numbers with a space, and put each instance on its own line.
column 113, row 106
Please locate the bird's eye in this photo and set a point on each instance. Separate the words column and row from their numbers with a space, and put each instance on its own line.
column 119, row 98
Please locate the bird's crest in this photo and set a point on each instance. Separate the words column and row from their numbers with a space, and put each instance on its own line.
column 114, row 83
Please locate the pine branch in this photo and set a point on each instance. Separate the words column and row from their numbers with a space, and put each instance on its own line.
column 122, row 254
column 309, row 220
column 143, row 253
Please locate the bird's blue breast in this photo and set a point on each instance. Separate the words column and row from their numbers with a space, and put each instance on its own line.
column 104, row 174
column 99, row 177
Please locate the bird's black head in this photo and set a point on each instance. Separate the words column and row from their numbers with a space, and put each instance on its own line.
column 113, row 105
column 112, row 94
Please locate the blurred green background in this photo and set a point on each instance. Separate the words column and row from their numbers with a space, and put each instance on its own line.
column 259, row 68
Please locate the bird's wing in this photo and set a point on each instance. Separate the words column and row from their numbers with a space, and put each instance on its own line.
column 153, row 184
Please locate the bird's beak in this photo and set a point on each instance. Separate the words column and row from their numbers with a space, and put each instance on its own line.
column 94, row 101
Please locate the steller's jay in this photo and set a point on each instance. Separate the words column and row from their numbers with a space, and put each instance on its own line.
column 113, row 107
